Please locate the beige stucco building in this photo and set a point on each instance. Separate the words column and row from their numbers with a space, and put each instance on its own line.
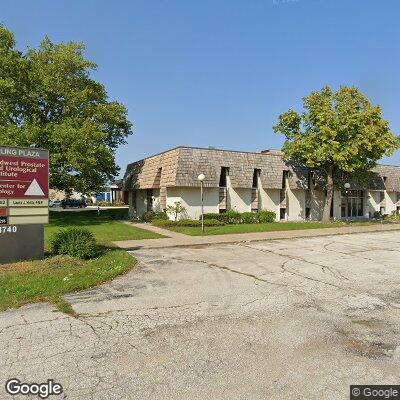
column 251, row 181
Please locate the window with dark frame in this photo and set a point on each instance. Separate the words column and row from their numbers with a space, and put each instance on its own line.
column 311, row 180
column 256, row 175
column 285, row 175
column 149, row 195
column 223, row 176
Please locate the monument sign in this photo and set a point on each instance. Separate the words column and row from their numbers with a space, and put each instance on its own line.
column 24, row 202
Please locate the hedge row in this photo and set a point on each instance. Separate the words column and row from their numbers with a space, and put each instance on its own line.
column 234, row 217
column 162, row 223
column 150, row 216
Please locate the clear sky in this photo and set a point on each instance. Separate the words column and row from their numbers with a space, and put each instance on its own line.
column 219, row 72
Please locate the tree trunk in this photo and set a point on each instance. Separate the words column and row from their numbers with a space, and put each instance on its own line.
column 329, row 195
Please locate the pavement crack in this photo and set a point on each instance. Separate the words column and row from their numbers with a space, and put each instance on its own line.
column 234, row 271
column 291, row 258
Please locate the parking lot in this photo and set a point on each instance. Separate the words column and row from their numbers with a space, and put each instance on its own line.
column 283, row 319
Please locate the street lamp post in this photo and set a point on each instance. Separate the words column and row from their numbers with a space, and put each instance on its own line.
column 347, row 187
column 201, row 178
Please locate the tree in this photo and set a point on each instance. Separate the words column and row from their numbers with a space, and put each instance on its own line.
column 338, row 133
column 176, row 210
column 48, row 100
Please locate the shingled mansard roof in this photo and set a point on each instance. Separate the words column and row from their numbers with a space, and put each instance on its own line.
column 181, row 166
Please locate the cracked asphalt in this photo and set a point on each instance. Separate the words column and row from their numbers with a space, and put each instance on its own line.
column 284, row 319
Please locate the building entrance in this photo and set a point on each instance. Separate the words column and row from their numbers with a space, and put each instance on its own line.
column 353, row 204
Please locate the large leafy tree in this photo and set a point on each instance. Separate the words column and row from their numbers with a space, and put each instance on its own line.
column 338, row 133
column 48, row 100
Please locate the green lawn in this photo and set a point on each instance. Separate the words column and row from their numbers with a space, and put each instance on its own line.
column 47, row 280
column 104, row 227
column 267, row 227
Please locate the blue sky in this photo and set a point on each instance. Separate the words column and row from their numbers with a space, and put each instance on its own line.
column 219, row 72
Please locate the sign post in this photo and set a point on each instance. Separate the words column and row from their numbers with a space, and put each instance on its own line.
column 24, row 202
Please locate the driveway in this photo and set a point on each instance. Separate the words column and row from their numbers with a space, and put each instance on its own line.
column 285, row 319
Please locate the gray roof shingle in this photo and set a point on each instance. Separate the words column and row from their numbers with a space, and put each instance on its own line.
column 182, row 165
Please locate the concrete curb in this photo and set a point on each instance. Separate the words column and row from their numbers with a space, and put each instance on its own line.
column 192, row 241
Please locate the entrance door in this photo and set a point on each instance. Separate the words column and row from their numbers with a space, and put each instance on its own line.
column 352, row 204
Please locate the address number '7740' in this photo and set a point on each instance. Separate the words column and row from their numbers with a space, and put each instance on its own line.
column 8, row 229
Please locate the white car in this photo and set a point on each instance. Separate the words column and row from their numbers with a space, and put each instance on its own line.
column 55, row 203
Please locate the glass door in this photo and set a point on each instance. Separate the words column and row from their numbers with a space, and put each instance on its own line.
column 352, row 204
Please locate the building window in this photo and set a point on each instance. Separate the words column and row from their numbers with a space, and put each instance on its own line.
column 310, row 180
column 398, row 209
column 381, row 196
column 256, row 175
column 308, row 212
column 382, row 210
column 223, row 176
column 157, row 179
column 149, row 196
column 282, row 214
column 284, row 178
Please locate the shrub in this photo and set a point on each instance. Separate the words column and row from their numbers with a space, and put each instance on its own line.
column 186, row 222
column 215, row 216
column 75, row 242
column 249, row 218
column 377, row 215
column 163, row 223
column 212, row 222
column 394, row 216
column 232, row 217
column 207, row 222
column 176, row 210
column 266, row 216
column 149, row 216
column 104, row 203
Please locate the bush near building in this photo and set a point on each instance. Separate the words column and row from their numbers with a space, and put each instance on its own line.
column 394, row 216
column 162, row 223
column 150, row 216
column 234, row 217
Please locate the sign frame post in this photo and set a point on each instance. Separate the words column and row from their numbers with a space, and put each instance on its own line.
column 24, row 202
